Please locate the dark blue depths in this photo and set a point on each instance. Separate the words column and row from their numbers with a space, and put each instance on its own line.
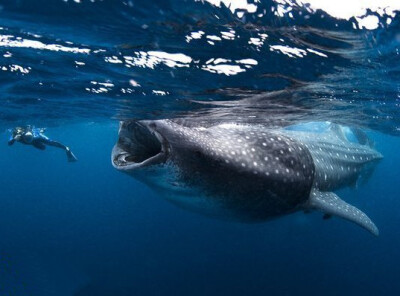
column 85, row 229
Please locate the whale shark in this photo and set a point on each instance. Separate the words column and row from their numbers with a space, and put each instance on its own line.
column 248, row 173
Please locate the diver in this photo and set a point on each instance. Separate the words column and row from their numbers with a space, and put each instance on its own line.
column 30, row 135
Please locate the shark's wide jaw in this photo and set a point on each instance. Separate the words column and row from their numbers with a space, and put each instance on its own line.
column 139, row 147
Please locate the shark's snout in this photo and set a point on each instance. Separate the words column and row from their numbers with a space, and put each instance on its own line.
column 138, row 146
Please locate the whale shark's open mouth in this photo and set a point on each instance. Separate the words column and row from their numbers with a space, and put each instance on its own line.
column 138, row 146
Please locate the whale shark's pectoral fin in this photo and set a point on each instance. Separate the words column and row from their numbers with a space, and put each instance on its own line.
column 331, row 204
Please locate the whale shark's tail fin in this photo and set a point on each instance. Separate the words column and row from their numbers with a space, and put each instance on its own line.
column 331, row 204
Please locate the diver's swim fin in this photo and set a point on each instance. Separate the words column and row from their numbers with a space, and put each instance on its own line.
column 331, row 204
column 70, row 155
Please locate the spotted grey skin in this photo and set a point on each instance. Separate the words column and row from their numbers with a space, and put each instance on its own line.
column 338, row 162
column 240, row 172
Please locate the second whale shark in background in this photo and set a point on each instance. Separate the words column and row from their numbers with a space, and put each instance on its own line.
column 244, row 172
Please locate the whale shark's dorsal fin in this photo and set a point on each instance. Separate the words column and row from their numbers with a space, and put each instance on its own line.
column 337, row 131
column 330, row 203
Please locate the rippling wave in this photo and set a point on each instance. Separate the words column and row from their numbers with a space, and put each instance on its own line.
column 274, row 62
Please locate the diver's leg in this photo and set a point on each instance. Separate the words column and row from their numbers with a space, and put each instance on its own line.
column 53, row 143
column 70, row 155
column 38, row 145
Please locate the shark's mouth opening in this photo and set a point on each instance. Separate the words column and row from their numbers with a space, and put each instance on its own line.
column 138, row 146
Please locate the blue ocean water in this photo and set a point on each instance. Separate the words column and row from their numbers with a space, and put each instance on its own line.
column 78, row 67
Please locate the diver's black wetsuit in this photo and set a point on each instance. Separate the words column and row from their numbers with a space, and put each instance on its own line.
column 35, row 137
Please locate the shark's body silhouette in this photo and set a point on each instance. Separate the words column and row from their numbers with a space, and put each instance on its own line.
column 245, row 172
